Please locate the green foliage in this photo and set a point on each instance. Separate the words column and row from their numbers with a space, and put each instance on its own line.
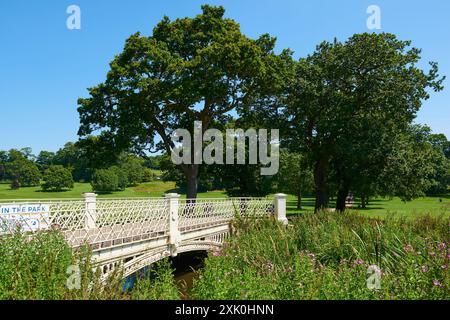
column 133, row 169
column 157, row 83
column 57, row 178
column 246, row 181
column 23, row 173
column 74, row 157
column 294, row 176
column 105, row 180
column 41, row 267
column 44, row 160
column 3, row 161
column 158, row 284
column 33, row 269
column 148, row 175
column 347, row 104
column 326, row 256
column 122, row 177
column 413, row 166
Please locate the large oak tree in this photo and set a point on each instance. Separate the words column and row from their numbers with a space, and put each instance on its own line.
column 190, row 69
column 347, row 104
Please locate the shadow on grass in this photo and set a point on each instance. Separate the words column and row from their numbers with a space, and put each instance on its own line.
column 305, row 203
column 52, row 191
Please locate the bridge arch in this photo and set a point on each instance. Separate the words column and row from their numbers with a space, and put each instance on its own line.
column 147, row 259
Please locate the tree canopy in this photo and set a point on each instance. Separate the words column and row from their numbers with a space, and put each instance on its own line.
column 189, row 69
column 347, row 104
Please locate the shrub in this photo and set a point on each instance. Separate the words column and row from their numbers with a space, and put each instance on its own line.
column 24, row 173
column 122, row 178
column 57, row 178
column 159, row 287
column 37, row 268
column 148, row 175
column 105, row 180
column 134, row 172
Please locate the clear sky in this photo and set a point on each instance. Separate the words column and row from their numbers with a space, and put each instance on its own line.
column 45, row 67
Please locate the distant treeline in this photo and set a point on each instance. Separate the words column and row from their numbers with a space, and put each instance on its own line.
column 420, row 166
column 57, row 171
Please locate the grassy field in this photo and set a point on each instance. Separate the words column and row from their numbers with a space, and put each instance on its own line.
column 150, row 189
column 377, row 207
column 381, row 207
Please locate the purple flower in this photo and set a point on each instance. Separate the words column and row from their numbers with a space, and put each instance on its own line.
column 358, row 262
column 217, row 253
column 376, row 269
column 432, row 253
column 408, row 248
column 437, row 283
column 444, row 267
column 442, row 246
column 424, row 269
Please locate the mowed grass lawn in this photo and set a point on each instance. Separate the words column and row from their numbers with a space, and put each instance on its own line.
column 381, row 207
column 150, row 189
column 153, row 189
column 377, row 207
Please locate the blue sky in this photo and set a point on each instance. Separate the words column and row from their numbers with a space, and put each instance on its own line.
column 45, row 67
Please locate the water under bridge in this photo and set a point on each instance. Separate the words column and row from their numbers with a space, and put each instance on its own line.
column 134, row 233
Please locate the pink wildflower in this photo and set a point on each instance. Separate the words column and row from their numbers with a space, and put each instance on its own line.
column 408, row 248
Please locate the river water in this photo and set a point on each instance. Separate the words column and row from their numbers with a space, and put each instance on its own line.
column 186, row 267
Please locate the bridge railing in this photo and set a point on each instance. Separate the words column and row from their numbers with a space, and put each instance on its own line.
column 200, row 213
column 110, row 222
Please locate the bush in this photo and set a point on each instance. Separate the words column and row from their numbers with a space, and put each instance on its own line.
column 122, row 178
column 24, row 173
column 105, row 180
column 161, row 287
column 148, row 175
column 37, row 268
column 134, row 171
column 57, row 178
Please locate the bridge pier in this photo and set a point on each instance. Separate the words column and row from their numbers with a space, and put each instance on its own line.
column 280, row 207
column 90, row 210
column 174, row 221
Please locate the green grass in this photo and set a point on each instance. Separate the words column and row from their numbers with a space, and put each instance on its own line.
column 381, row 207
column 150, row 189
column 326, row 256
column 377, row 207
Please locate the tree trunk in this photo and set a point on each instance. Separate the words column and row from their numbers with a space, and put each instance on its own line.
column 299, row 200
column 341, row 199
column 363, row 201
column 320, row 176
column 191, row 173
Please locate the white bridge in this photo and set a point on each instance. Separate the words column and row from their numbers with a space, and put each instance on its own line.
column 134, row 233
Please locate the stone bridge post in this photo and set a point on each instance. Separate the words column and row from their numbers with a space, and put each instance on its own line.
column 280, row 207
column 91, row 210
column 174, row 231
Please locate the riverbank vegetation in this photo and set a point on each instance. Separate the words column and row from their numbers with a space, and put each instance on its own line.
column 328, row 256
column 318, row 256
column 46, row 268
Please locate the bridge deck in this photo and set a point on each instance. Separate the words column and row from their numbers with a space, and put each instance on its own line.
column 110, row 236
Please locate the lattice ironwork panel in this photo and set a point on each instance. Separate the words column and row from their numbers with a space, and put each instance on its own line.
column 131, row 218
column 33, row 216
column 200, row 213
